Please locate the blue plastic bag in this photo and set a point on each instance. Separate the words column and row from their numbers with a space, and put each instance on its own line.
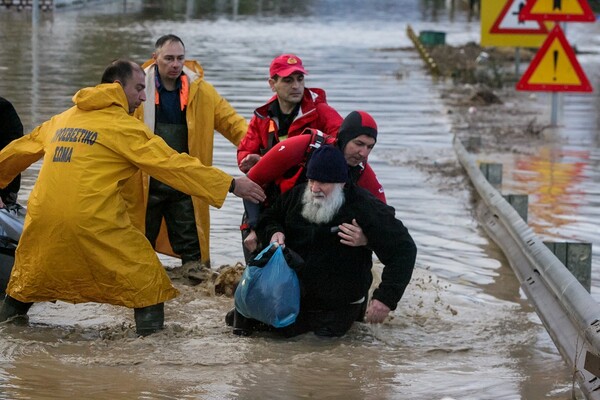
column 270, row 294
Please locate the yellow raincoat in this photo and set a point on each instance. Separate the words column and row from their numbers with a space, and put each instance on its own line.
column 79, row 243
column 206, row 112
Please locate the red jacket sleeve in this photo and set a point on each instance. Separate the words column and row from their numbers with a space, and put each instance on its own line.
column 368, row 180
column 283, row 156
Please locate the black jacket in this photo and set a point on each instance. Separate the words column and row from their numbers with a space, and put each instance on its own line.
column 335, row 274
column 11, row 128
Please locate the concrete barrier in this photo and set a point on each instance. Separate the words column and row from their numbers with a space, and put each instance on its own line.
column 567, row 310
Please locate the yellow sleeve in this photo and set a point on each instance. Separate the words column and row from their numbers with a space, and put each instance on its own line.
column 228, row 122
column 187, row 174
column 19, row 155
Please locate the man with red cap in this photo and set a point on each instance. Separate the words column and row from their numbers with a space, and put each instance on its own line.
column 335, row 277
column 288, row 113
column 292, row 109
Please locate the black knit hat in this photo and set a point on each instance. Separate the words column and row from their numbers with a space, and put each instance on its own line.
column 355, row 124
column 327, row 164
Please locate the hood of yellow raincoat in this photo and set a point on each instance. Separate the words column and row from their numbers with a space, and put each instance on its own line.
column 100, row 97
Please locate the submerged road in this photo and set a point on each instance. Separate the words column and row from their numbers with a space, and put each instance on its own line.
column 463, row 329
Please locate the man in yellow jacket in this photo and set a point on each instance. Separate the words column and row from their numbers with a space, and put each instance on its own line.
column 79, row 243
column 185, row 110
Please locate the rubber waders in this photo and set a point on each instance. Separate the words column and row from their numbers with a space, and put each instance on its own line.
column 12, row 308
column 149, row 320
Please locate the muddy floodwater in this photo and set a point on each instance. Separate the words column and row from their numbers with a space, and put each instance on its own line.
column 463, row 330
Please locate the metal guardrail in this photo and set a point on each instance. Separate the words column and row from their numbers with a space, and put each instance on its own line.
column 567, row 310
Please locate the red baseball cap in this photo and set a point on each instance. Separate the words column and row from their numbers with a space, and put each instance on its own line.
column 285, row 65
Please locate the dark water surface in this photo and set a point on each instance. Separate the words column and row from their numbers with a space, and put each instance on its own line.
column 463, row 329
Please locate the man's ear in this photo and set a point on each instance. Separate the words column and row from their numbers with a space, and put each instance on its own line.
column 154, row 56
column 272, row 84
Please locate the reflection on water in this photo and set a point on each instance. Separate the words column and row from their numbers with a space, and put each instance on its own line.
column 554, row 183
column 463, row 329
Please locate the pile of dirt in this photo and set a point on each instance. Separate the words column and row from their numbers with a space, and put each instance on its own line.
column 483, row 101
column 473, row 64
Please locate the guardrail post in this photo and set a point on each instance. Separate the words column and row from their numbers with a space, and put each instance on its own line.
column 577, row 257
column 520, row 202
column 472, row 143
column 493, row 173
column 592, row 363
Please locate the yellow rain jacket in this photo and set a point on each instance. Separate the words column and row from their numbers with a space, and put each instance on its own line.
column 206, row 112
column 79, row 243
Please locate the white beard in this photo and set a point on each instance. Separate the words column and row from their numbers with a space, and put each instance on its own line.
column 320, row 210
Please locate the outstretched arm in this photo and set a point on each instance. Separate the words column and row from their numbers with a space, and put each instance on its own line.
column 246, row 189
column 392, row 244
column 228, row 122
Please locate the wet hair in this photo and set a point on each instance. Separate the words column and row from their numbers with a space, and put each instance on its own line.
column 119, row 70
column 166, row 39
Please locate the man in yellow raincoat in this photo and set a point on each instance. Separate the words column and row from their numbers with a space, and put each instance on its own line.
column 185, row 110
column 79, row 243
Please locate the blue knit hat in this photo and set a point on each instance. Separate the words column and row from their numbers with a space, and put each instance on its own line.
column 327, row 164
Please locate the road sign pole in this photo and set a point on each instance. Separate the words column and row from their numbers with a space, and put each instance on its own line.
column 554, row 110
column 554, row 105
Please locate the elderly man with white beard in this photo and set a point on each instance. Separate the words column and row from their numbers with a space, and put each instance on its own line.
column 335, row 276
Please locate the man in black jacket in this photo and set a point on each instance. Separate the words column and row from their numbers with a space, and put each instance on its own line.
column 336, row 277
column 11, row 129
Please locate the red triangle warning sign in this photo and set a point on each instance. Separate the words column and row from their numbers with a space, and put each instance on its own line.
column 555, row 68
column 558, row 10
column 510, row 20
